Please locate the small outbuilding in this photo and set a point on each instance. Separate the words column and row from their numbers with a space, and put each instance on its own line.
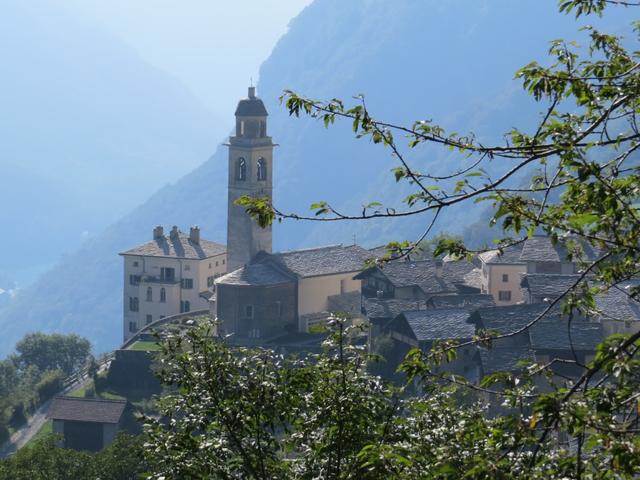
column 87, row 423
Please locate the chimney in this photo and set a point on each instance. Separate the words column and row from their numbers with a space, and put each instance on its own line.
column 158, row 232
column 194, row 234
column 174, row 232
column 252, row 92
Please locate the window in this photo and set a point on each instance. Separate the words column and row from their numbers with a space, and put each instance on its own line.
column 133, row 327
column 187, row 283
column 168, row 274
column 135, row 279
column 279, row 309
column 185, row 306
column 505, row 277
column 241, row 127
column 133, row 304
column 254, row 333
column 241, row 172
column 248, row 311
column 210, row 281
column 149, row 319
column 187, row 268
column 223, row 261
column 163, row 295
column 216, row 264
column 149, row 294
column 135, row 264
column 261, row 167
column 504, row 295
column 209, row 266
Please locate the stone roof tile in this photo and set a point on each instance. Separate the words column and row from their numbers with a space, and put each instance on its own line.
column 180, row 247
column 434, row 324
column 87, row 410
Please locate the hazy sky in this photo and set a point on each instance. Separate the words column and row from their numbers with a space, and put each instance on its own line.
column 213, row 46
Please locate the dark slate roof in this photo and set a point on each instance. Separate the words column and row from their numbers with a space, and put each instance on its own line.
column 510, row 318
column 504, row 359
column 509, row 256
column 539, row 248
column 450, row 323
column 548, row 285
column 251, row 107
column 87, row 409
column 346, row 302
column 617, row 305
column 255, row 274
column 552, row 334
column 468, row 301
column 180, row 247
column 423, row 274
column 462, row 272
column 390, row 308
column 314, row 262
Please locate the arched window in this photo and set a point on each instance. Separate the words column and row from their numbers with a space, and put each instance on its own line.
column 262, row 169
column 163, row 295
column 241, row 173
column 149, row 294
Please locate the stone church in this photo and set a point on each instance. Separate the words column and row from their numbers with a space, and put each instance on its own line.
column 268, row 294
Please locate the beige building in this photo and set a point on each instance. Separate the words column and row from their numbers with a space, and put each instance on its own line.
column 502, row 274
column 171, row 274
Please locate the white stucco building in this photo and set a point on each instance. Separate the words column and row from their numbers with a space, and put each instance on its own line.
column 171, row 274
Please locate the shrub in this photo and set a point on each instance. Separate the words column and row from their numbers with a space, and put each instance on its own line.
column 51, row 383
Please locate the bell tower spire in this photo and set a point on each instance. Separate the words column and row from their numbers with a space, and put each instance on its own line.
column 250, row 173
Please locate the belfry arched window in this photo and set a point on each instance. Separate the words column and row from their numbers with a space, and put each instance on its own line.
column 241, row 173
column 261, row 169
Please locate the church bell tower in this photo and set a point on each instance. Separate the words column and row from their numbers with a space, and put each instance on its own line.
column 250, row 173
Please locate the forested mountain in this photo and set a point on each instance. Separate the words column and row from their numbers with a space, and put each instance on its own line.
column 88, row 131
column 452, row 62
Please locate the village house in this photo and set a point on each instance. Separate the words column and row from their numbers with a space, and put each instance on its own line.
column 168, row 275
column 86, row 423
column 501, row 274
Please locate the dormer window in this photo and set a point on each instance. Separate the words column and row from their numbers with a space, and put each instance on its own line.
column 241, row 173
column 261, row 169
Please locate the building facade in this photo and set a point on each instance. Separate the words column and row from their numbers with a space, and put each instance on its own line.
column 501, row 274
column 250, row 173
column 171, row 274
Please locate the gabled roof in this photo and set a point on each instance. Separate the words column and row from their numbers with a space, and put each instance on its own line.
column 180, row 246
column 549, row 285
column 552, row 334
column 405, row 273
column 348, row 302
column 390, row 308
column 509, row 256
column 87, row 410
column 256, row 274
column 468, row 301
column 313, row 262
column 510, row 318
column 504, row 359
column 616, row 304
column 540, row 248
column 462, row 272
column 434, row 324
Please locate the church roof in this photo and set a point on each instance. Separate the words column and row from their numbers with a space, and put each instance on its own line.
column 313, row 262
column 251, row 107
column 180, row 246
column 87, row 410
column 255, row 274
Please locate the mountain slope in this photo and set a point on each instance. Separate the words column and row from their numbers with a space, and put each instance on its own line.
column 450, row 61
column 88, row 131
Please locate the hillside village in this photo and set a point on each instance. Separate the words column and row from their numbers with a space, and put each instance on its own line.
column 281, row 300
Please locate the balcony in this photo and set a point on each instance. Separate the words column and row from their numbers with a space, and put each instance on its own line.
column 159, row 280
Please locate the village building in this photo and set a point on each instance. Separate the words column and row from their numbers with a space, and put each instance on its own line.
column 85, row 423
column 501, row 274
column 618, row 311
column 168, row 275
